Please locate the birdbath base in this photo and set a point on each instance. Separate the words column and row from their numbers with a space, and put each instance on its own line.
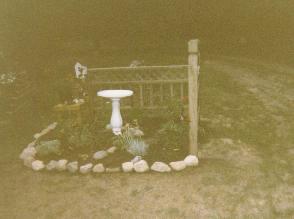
column 115, row 96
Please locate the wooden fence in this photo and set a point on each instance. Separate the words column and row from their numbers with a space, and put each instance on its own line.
column 152, row 86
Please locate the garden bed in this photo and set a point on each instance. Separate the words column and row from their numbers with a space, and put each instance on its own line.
column 163, row 139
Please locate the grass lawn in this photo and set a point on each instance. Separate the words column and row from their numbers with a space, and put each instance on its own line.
column 246, row 160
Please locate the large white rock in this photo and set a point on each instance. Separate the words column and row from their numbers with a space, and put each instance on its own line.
column 72, row 167
column 160, row 167
column 61, row 165
column 99, row 155
column 127, row 167
column 86, row 168
column 178, row 165
column 52, row 165
column 141, row 166
column 28, row 161
column 38, row 165
column 98, row 168
column 191, row 160
column 111, row 150
column 28, row 152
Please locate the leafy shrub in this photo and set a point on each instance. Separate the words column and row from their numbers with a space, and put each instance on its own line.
column 131, row 140
column 173, row 133
column 76, row 135
column 45, row 148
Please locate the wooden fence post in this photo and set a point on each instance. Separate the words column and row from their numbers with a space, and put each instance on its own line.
column 193, row 72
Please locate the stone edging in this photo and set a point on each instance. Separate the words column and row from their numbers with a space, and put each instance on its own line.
column 136, row 165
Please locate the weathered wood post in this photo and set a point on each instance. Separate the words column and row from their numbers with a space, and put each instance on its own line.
column 193, row 72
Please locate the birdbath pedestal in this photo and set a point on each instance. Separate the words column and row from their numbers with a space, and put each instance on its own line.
column 115, row 96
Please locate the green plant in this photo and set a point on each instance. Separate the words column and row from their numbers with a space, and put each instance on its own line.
column 45, row 148
column 76, row 135
column 131, row 140
column 173, row 133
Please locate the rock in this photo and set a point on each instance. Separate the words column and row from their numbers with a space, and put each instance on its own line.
column 52, row 165
column 141, row 166
column 72, row 167
column 32, row 144
column 111, row 150
column 191, row 160
column 28, row 161
column 86, row 168
column 98, row 168
column 178, row 165
column 112, row 170
column 52, row 126
column 160, row 167
column 44, row 131
column 27, row 153
column 136, row 159
column 100, row 155
column 61, row 165
column 127, row 167
column 37, row 135
column 38, row 165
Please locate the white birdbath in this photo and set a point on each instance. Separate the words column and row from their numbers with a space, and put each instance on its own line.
column 115, row 96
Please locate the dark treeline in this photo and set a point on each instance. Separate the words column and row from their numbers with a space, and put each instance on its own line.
column 41, row 32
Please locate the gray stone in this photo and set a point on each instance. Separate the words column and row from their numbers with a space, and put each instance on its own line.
column 127, row 167
column 86, row 168
column 141, row 166
column 113, row 170
column 111, row 150
column 38, row 165
column 52, row 165
column 27, row 153
column 72, row 167
column 98, row 168
column 191, row 160
column 100, row 155
column 160, row 167
column 61, row 165
column 178, row 165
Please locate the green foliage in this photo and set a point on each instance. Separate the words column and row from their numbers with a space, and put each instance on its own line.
column 45, row 148
column 77, row 135
column 174, row 132
column 173, row 135
column 175, row 110
column 131, row 140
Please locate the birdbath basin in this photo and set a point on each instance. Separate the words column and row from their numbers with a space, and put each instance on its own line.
column 115, row 96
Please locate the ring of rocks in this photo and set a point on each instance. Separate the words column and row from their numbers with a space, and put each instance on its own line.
column 137, row 164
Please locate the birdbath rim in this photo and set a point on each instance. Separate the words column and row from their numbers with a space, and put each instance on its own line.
column 115, row 93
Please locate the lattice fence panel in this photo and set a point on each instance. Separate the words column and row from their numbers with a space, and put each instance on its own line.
column 152, row 86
